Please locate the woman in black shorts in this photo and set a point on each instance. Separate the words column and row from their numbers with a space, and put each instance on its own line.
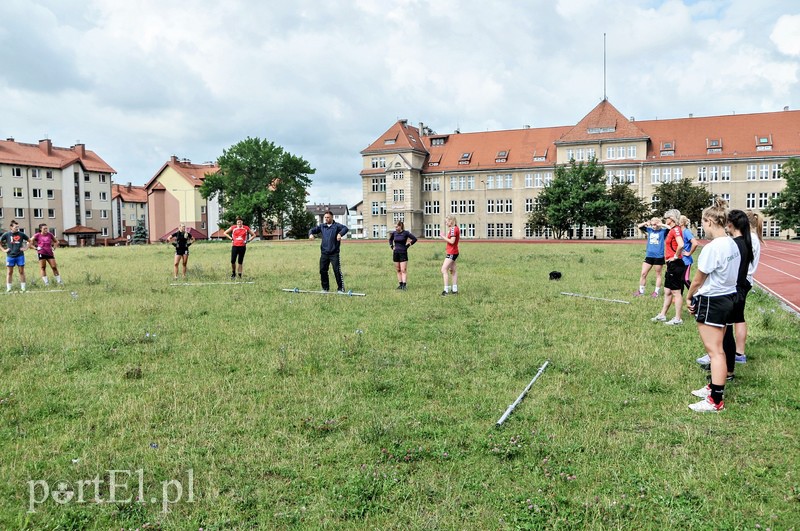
column 710, row 299
column 400, row 240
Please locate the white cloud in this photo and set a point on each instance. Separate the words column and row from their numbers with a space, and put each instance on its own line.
column 140, row 81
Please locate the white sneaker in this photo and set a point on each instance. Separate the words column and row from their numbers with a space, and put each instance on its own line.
column 704, row 360
column 703, row 392
column 707, row 406
column 659, row 318
column 674, row 321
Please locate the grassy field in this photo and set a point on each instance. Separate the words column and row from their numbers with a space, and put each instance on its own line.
column 126, row 402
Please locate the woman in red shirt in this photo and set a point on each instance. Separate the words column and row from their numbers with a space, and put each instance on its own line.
column 451, row 235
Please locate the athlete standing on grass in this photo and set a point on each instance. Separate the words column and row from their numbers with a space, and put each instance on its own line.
column 240, row 234
column 711, row 298
column 673, row 279
column 653, row 254
column 14, row 244
column 451, row 235
column 331, row 233
column 400, row 240
column 181, row 240
column 45, row 242
column 689, row 246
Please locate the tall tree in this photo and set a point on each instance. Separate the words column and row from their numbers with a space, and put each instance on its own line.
column 576, row 196
column 626, row 210
column 689, row 198
column 785, row 208
column 258, row 181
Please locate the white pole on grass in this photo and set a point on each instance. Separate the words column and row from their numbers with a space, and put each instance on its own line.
column 522, row 395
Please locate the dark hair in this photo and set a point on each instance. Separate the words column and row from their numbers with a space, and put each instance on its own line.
column 239, row 218
column 401, row 225
column 739, row 220
column 328, row 212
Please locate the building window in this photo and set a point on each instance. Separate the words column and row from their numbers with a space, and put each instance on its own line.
column 454, row 207
column 430, row 184
column 374, row 208
column 725, row 173
column 570, row 154
column 655, row 175
column 379, row 184
column 88, row 214
column 19, row 213
column 87, row 195
column 632, row 152
column 51, row 194
column 103, row 196
column 86, row 177
column 775, row 229
column 202, row 209
column 528, row 205
column 397, row 175
column 490, row 206
column 36, row 193
column 751, row 201
column 378, row 162
column 763, row 200
column 713, row 173
column 104, row 214
column 102, row 177
column 49, row 174
column 16, row 172
column 38, row 213
column 537, row 180
column 763, row 172
column 471, row 206
column 528, row 180
column 777, row 171
column 701, row 174
column 490, row 182
column 104, row 231
column 1, row 212
column 631, row 176
column 18, row 193
column 509, row 181
column 398, row 195
column 397, row 217
column 383, row 208
column 752, row 172
column 35, row 173
column 51, row 213
column 432, row 230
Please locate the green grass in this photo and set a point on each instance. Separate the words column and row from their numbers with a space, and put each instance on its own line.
column 324, row 411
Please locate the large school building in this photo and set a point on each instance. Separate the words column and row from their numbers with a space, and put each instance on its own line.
column 490, row 180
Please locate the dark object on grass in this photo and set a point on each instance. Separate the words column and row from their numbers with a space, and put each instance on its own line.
column 555, row 275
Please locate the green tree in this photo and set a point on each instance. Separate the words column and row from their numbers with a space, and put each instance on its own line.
column 258, row 181
column 689, row 198
column 575, row 196
column 140, row 232
column 626, row 209
column 785, row 208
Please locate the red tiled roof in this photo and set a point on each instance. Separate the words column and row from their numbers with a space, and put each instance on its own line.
column 399, row 137
column 194, row 174
column 81, row 229
column 196, row 234
column 45, row 155
column 604, row 122
column 132, row 194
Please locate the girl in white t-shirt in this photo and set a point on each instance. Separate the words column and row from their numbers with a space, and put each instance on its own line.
column 710, row 299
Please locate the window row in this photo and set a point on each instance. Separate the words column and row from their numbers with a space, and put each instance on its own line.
column 38, row 213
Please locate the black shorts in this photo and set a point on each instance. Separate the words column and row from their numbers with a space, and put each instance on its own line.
column 713, row 311
column 673, row 279
column 737, row 314
column 653, row 261
column 452, row 257
column 237, row 253
column 46, row 256
column 401, row 256
column 181, row 252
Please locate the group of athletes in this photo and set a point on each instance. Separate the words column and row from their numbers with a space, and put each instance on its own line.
column 331, row 233
column 716, row 295
column 14, row 243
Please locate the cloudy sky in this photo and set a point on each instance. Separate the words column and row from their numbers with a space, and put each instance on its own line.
column 140, row 80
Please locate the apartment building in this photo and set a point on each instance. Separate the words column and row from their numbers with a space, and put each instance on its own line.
column 129, row 208
column 173, row 197
column 67, row 188
column 490, row 180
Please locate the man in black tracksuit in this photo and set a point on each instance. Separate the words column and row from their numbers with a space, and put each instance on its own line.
column 332, row 233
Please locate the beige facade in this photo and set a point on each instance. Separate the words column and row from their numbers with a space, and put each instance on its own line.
column 491, row 180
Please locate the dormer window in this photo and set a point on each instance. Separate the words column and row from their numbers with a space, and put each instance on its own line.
column 540, row 157
column 714, row 145
column 668, row 148
column 764, row 143
column 502, row 156
column 438, row 141
column 435, row 160
column 388, row 141
column 599, row 130
column 465, row 158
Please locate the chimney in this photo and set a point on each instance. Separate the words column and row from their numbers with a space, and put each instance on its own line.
column 421, row 129
column 633, row 118
column 10, row 139
column 786, row 108
column 80, row 149
column 128, row 186
column 691, row 115
column 173, row 159
column 46, row 146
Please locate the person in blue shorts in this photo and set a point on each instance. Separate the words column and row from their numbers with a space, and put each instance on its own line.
column 654, row 254
column 13, row 244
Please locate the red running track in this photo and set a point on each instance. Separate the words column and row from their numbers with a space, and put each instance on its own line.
column 779, row 271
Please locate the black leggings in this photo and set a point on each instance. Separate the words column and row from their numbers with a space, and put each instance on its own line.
column 238, row 252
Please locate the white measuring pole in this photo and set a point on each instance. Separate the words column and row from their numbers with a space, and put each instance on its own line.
column 522, row 395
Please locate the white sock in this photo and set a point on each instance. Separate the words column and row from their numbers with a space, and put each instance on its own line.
column 447, row 289
column 657, row 289
column 455, row 288
column 8, row 287
column 641, row 289
column 58, row 279
column 22, row 286
column 46, row 282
